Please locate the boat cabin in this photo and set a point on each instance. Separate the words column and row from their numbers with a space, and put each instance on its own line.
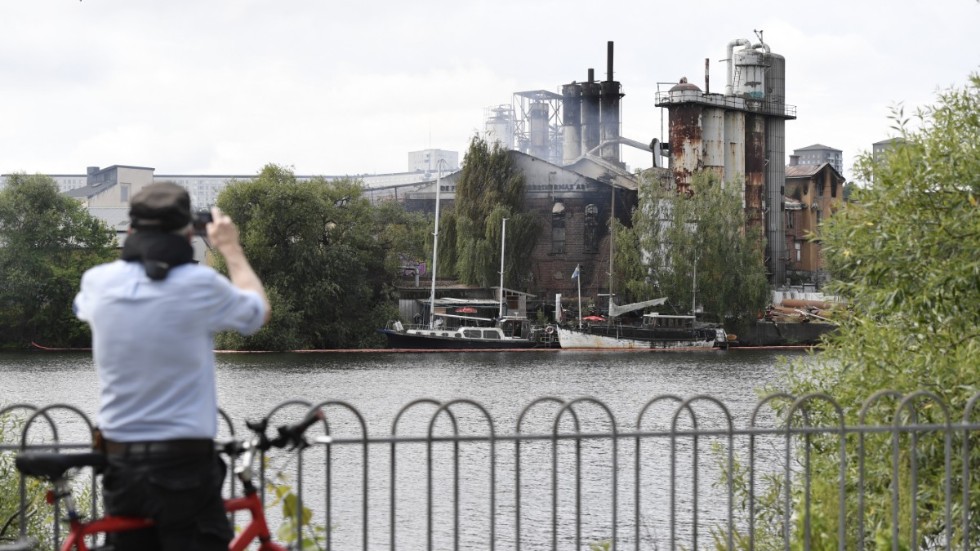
column 657, row 320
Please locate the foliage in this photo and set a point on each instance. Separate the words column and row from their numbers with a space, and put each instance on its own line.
column 285, row 497
column 37, row 512
column 326, row 256
column 47, row 240
column 680, row 240
column 489, row 189
column 904, row 255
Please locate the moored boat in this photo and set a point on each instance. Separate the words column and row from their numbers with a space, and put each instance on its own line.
column 657, row 332
column 509, row 332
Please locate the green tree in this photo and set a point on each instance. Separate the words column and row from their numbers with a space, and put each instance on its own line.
column 325, row 255
column 37, row 515
column 682, row 243
column 904, row 256
column 490, row 189
column 47, row 240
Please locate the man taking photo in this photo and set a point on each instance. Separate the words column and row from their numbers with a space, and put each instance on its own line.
column 153, row 314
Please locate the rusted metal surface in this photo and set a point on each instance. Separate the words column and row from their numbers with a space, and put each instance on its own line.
column 755, row 168
column 713, row 141
column 735, row 147
column 685, row 143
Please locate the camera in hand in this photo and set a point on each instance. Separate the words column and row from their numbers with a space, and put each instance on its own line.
column 201, row 220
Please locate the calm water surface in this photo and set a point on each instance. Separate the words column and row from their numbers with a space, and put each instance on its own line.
column 378, row 385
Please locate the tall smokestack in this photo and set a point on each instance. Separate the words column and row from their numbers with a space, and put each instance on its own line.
column 611, row 92
column 707, row 64
column 609, row 60
column 590, row 114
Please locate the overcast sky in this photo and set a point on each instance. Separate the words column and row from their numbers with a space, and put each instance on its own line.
column 327, row 87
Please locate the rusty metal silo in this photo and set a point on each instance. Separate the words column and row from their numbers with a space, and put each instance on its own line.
column 713, row 140
column 755, row 168
column 685, row 131
column 571, row 106
column 775, row 84
column 735, row 146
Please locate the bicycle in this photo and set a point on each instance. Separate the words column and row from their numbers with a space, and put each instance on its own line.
column 55, row 467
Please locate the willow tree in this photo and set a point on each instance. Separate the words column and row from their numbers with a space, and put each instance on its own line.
column 693, row 248
column 490, row 189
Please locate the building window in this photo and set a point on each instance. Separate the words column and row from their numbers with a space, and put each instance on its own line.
column 819, row 188
column 789, row 220
column 591, row 237
column 558, row 228
column 124, row 193
column 833, row 188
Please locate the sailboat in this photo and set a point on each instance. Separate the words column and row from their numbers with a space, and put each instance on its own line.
column 473, row 332
column 656, row 331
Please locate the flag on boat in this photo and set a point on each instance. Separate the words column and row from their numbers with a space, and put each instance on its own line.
column 576, row 274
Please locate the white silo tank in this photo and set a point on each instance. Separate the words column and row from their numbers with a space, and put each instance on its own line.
column 499, row 127
column 750, row 74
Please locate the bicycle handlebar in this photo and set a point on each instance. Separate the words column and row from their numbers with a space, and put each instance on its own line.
column 290, row 436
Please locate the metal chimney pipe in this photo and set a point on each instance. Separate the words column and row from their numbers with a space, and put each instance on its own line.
column 609, row 61
column 707, row 65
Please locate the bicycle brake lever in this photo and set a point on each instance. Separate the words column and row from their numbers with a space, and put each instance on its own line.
column 290, row 440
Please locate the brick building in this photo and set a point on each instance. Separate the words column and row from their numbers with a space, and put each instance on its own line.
column 813, row 193
column 573, row 204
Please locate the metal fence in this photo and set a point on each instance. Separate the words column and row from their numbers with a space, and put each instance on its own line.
column 683, row 473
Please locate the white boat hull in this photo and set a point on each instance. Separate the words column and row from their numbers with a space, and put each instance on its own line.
column 571, row 339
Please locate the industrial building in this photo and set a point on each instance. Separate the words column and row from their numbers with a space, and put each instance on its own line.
column 205, row 188
column 813, row 193
column 818, row 154
column 568, row 146
column 739, row 134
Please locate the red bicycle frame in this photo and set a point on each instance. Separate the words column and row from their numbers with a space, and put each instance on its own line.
column 256, row 529
column 78, row 530
column 53, row 466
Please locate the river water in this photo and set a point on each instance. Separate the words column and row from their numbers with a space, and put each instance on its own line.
column 379, row 384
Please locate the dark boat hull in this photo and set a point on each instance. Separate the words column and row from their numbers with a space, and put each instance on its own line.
column 398, row 339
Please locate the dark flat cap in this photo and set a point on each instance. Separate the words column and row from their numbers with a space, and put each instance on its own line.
column 162, row 206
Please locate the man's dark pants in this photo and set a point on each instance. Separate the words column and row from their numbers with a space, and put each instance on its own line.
column 180, row 492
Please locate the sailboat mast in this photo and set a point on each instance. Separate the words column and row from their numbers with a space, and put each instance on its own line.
column 612, row 248
column 503, row 242
column 435, row 253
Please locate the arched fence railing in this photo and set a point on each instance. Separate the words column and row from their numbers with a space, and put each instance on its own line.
column 797, row 472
